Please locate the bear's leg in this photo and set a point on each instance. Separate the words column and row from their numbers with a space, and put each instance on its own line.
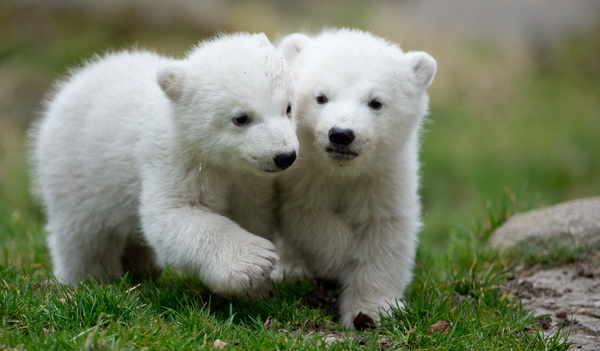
column 80, row 254
column 361, row 295
column 229, row 259
column 382, row 269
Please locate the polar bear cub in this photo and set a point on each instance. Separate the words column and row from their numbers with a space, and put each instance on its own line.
column 349, row 206
column 142, row 160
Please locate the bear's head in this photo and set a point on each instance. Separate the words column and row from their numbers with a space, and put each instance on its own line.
column 357, row 97
column 231, row 104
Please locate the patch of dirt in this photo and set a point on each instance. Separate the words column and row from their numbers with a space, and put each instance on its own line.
column 569, row 296
column 324, row 296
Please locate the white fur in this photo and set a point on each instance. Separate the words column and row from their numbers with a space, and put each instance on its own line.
column 355, row 221
column 139, row 163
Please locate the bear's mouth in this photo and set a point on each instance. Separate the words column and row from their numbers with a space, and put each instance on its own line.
column 270, row 170
column 340, row 154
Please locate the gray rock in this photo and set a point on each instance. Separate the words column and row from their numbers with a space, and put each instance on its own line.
column 578, row 220
column 568, row 295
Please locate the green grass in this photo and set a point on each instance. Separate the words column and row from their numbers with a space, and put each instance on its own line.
column 548, row 253
column 175, row 311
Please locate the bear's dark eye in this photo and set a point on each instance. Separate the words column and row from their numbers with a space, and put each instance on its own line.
column 322, row 99
column 375, row 104
column 241, row 120
column 288, row 111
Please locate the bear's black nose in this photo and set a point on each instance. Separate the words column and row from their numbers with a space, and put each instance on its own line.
column 283, row 161
column 340, row 136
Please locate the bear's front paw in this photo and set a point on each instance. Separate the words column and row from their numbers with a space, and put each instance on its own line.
column 246, row 270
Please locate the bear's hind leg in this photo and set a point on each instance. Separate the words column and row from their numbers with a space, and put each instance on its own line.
column 78, row 255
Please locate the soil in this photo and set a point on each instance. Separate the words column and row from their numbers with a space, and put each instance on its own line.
column 567, row 296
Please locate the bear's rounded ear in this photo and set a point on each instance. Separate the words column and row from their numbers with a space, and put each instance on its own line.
column 423, row 66
column 291, row 46
column 171, row 79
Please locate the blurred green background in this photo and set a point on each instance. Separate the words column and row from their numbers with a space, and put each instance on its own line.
column 515, row 108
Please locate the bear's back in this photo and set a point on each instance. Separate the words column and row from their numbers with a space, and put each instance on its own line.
column 92, row 125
